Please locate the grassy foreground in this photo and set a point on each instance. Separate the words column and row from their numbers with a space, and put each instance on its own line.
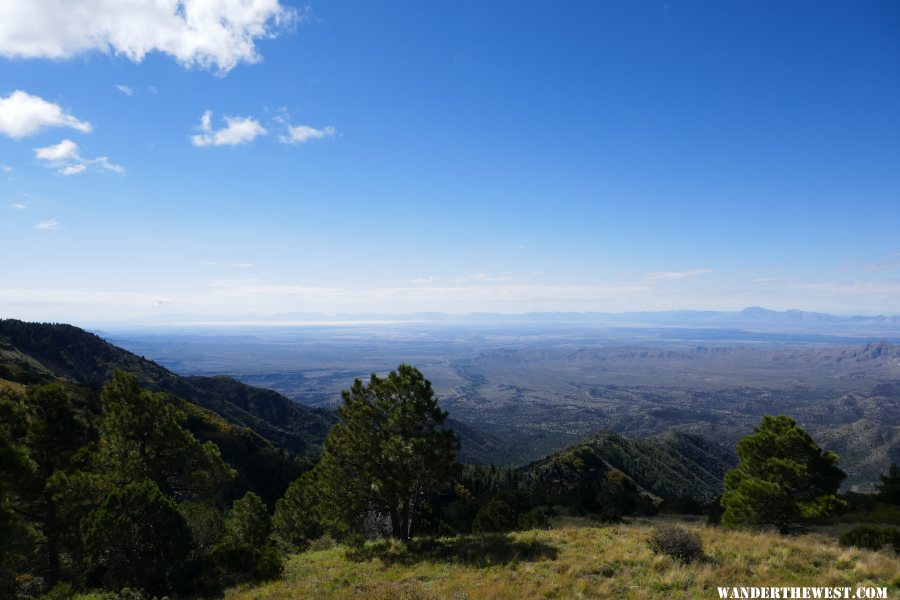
column 575, row 561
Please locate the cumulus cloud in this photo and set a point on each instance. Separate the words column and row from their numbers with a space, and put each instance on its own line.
column 303, row 133
column 125, row 89
column 64, row 157
column 48, row 225
column 210, row 34
column 72, row 169
column 19, row 205
column 237, row 130
column 66, row 149
column 22, row 114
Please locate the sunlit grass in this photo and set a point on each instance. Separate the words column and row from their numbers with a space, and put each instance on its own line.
column 575, row 562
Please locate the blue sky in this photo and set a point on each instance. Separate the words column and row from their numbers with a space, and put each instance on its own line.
column 457, row 157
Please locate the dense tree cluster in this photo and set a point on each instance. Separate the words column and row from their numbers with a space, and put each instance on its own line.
column 122, row 497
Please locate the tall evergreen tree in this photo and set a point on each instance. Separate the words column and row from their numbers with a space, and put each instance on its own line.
column 56, row 433
column 142, row 436
column 388, row 449
column 783, row 477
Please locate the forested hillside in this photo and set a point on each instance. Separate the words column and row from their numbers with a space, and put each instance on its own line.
column 32, row 352
column 672, row 466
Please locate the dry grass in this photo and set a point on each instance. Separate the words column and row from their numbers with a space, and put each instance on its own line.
column 575, row 561
column 12, row 386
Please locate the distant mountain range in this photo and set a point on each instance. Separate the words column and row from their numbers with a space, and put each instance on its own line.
column 753, row 316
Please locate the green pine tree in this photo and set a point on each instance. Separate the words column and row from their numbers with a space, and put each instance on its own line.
column 248, row 522
column 142, row 437
column 783, row 478
column 56, row 432
column 137, row 538
column 387, row 450
column 298, row 515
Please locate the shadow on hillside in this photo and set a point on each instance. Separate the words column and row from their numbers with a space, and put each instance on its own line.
column 474, row 550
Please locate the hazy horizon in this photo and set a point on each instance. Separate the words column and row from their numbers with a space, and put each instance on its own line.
column 751, row 316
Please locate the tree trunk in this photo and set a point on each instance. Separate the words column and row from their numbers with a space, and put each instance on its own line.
column 396, row 525
column 405, row 520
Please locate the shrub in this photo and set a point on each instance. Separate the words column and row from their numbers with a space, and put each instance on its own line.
column 459, row 514
column 681, row 544
column 534, row 519
column 872, row 538
column 325, row 542
column 132, row 594
column 269, row 565
column 495, row 517
column 884, row 514
column 61, row 591
column 298, row 519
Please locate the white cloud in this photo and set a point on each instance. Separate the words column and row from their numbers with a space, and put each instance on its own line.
column 66, row 149
column 303, row 133
column 72, row 169
column 237, row 130
column 206, row 33
column 64, row 157
column 678, row 274
column 125, row 89
column 19, row 205
column 22, row 114
column 48, row 225
column 5, row 168
column 104, row 164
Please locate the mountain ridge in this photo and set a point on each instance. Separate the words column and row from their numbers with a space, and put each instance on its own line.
column 670, row 466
